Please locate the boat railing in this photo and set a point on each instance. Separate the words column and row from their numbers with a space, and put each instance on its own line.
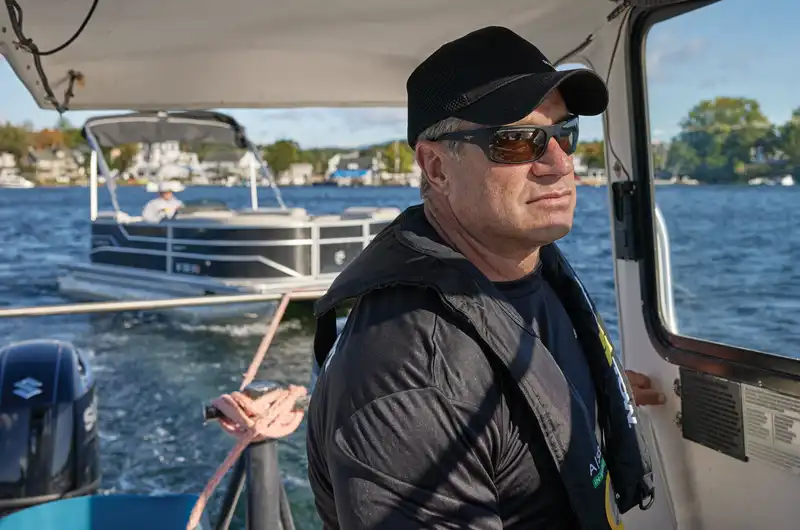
column 310, row 293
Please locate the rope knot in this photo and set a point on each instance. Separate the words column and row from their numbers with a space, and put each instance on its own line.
column 270, row 416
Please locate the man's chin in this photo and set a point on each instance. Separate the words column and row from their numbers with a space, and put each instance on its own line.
column 545, row 235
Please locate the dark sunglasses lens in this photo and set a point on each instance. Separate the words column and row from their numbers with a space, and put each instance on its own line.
column 567, row 138
column 516, row 147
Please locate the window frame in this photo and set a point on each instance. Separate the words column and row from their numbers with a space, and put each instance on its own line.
column 732, row 362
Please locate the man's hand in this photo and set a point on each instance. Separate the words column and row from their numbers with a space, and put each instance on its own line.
column 643, row 394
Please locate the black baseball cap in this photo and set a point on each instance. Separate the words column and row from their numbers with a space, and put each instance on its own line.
column 492, row 77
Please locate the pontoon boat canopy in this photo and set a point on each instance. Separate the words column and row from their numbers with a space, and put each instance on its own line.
column 184, row 54
column 155, row 127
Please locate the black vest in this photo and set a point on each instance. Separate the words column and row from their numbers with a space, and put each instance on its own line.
column 407, row 253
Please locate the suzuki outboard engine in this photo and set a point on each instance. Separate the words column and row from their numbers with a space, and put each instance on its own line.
column 48, row 424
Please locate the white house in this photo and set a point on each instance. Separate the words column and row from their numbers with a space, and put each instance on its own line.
column 579, row 166
column 165, row 160
column 298, row 174
column 7, row 160
column 229, row 162
column 59, row 165
column 335, row 160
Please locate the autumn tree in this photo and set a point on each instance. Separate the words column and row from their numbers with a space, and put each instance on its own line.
column 120, row 157
column 48, row 139
column 14, row 140
column 593, row 154
column 71, row 135
column 399, row 157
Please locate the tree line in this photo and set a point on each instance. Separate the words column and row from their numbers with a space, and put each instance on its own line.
column 20, row 139
column 721, row 140
column 396, row 156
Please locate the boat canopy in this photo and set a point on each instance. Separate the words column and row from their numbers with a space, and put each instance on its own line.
column 194, row 126
column 156, row 127
column 203, row 54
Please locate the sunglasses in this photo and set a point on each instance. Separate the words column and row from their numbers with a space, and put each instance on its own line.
column 519, row 144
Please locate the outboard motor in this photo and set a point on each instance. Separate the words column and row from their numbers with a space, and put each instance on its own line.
column 48, row 424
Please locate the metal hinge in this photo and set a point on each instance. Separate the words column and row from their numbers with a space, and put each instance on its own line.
column 627, row 244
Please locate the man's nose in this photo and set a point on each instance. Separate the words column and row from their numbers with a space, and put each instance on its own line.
column 554, row 160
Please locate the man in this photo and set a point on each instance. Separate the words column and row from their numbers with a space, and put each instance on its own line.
column 162, row 207
column 471, row 381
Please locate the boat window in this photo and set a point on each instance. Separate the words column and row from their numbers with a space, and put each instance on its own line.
column 724, row 120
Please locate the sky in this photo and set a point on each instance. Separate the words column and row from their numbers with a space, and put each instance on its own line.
column 726, row 49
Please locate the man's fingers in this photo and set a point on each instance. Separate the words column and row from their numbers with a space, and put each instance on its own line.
column 265, row 401
column 643, row 393
column 229, row 407
column 638, row 380
column 280, row 407
column 644, row 396
column 229, row 427
column 298, row 391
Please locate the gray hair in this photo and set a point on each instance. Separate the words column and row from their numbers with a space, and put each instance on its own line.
column 445, row 126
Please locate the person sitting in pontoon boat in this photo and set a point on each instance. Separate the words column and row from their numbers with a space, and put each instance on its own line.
column 474, row 385
column 162, row 207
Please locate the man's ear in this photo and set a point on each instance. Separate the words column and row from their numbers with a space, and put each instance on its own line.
column 432, row 158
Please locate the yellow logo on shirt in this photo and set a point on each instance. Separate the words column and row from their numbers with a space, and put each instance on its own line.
column 607, row 347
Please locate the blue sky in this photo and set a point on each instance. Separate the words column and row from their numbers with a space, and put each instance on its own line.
column 728, row 48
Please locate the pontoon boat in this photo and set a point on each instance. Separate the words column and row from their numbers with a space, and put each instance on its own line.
column 208, row 248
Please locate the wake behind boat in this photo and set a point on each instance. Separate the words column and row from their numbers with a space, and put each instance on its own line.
column 207, row 248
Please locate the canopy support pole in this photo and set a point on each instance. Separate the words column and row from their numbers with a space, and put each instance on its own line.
column 103, row 167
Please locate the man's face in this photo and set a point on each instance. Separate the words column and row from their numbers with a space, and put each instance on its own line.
column 166, row 195
column 520, row 205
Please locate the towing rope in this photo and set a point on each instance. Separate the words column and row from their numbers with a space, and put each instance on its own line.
column 269, row 417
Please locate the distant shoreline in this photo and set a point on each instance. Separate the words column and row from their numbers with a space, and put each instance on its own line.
column 582, row 185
